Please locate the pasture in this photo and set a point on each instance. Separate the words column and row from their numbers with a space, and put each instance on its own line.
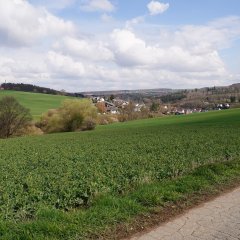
column 38, row 103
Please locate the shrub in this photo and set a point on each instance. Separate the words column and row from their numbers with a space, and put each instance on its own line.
column 104, row 119
column 73, row 115
column 88, row 124
column 101, row 107
column 30, row 130
column 122, row 117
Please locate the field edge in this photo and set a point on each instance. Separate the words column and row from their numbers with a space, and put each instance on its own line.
column 227, row 180
column 118, row 217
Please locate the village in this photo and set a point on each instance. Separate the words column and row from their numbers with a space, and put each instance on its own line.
column 113, row 105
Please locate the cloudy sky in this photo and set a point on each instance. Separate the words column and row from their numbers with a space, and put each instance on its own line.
column 83, row 45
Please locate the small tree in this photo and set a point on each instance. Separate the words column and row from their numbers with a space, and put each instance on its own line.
column 101, row 107
column 154, row 107
column 111, row 98
column 233, row 99
column 13, row 117
column 127, row 113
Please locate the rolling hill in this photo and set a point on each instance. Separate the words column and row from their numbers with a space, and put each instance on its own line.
column 38, row 103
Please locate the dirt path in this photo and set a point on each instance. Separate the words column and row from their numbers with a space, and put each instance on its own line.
column 216, row 220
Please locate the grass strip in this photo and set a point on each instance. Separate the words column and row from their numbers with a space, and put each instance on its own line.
column 113, row 217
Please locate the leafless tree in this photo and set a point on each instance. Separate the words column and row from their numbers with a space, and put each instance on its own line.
column 13, row 117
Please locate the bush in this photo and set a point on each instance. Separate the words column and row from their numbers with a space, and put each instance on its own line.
column 31, row 130
column 104, row 119
column 73, row 115
column 128, row 113
column 13, row 117
column 88, row 124
column 123, row 117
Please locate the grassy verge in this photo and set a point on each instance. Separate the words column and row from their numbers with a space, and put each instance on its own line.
column 111, row 217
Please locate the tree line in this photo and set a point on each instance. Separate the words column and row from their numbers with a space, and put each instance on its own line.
column 36, row 89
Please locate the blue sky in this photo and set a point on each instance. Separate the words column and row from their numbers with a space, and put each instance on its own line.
column 180, row 12
column 81, row 45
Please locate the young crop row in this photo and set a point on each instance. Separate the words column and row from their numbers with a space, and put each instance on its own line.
column 67, row 171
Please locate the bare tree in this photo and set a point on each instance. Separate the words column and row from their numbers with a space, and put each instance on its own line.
column 13, row 117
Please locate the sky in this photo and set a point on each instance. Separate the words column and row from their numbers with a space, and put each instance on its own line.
column 87, row 45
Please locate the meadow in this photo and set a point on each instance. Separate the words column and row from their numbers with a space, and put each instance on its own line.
column 73, row 185
column 38, row 103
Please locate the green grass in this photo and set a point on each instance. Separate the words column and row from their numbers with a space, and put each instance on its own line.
column 108, row 211
column 38, row 103
column 77, row 185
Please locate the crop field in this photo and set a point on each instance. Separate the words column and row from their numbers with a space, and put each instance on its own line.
column 38, row 103
column 53, row 178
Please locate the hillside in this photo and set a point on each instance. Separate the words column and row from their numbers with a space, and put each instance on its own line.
column 205, row 98
column 76, row 185
column 38, row 103
column 23, row 87
column 209, row 96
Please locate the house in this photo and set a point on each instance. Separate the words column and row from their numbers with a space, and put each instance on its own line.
column 180, row 112
column 197, row 110
column 111, row 108
column 124, row 104
column 97, row 99
column 120, row 103
column 138, row 107
column 222, row 106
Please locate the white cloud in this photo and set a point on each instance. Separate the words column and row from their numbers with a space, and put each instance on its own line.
column 59, row 55
column 85, row 49
column 135, row 21
column 22, row 24
column 23, row 65
column 61, row 65
column 97, row 5
column 133, row 51
column 156, row 7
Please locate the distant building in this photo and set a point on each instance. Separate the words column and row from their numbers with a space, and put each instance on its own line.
column 98, row 99
column 138, row 107
column 188, row 111
column 223, row 106
column 111, row 108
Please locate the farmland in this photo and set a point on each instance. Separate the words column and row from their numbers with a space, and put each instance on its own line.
column 38, row 103
column 50, row 184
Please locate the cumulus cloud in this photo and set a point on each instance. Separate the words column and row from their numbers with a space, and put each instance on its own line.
column 133, row 51
column 84, row 49
column 96, row 5
column 21, row 23
column 156, row 7
column 61, row 65
column 40, row 48
column 23, row 65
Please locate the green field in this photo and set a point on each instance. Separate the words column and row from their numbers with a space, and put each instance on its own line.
column 38, row 103
column 56, row 186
